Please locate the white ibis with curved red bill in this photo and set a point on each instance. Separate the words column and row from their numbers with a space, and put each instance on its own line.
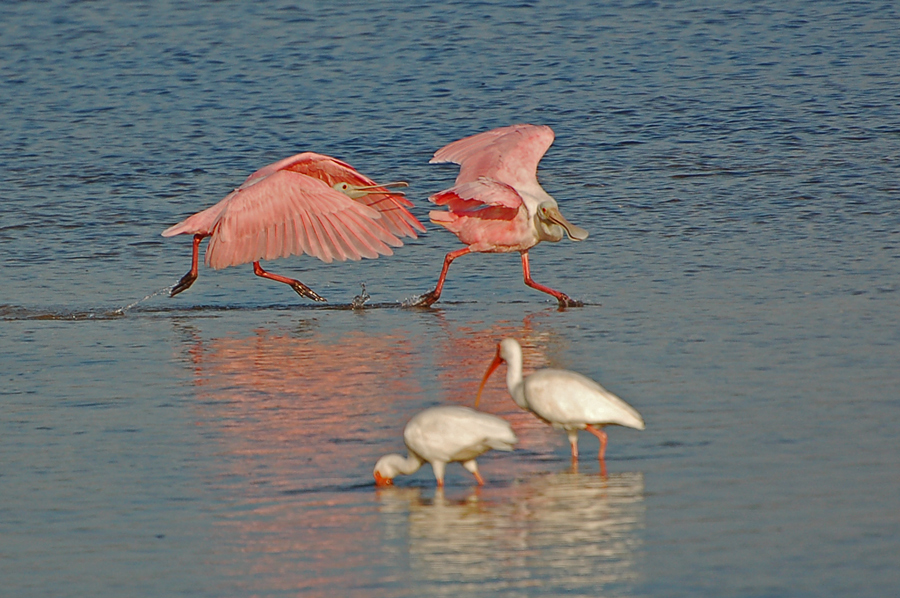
column 562, row 398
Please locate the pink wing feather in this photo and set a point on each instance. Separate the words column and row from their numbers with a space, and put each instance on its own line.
column 508, row 154
column 473, row 197
column 290, row 208
column 288, row 213
column 393, row 208
column 201, row 223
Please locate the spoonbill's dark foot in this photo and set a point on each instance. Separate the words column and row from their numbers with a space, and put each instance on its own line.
column 426, row 300
column 184, row 284
column 305, row 291
column 566, row 301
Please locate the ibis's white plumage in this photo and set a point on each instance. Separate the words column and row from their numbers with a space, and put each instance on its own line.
column 446, row 434
column 562, row 398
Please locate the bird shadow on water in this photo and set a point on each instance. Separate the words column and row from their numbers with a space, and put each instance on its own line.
column 360, row 302
column 19, row 312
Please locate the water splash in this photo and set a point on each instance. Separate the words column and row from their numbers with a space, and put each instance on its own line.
column 360, row 300
column 121, row 311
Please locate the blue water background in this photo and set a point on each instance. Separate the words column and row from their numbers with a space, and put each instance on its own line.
column 735, row 163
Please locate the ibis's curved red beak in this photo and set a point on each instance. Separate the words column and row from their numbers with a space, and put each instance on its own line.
column 494, row 365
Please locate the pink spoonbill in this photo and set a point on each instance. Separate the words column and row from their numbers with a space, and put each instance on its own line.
column 441, row 435
column 563, row 399
column 497, row 204
column 308, row 203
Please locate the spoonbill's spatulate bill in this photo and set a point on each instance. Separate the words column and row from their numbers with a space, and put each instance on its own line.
column 497, row 204
column 308, row 203
column 442, row 435
column 562, row 398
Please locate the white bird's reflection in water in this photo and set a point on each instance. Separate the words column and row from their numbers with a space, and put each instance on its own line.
column 564, row 532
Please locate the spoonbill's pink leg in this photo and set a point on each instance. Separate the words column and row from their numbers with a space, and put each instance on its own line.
column 563, row 299
column 302, row 289
column 188, row 279
column 601, row 434
column 479, row 478
column 430, row 298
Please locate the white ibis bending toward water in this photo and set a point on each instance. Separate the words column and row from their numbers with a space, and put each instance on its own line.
column 563, row 399
column 308, row 203
column 441, row 435
column 497, row 204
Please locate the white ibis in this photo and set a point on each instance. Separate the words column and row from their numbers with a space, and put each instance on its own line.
column 563, row 399
column 441, row 435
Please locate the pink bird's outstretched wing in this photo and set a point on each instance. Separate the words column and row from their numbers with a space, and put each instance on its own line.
column 291, row 208
column 395, row 216
column 289, row 213
column 508, row 154
column 201, row 223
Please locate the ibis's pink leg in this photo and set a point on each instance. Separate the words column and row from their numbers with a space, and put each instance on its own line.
column 599, row 433
column 574, row 443
column 479, row 478
column 302, row 289
column 188, row 279
column 430, row 298
column 563, row 299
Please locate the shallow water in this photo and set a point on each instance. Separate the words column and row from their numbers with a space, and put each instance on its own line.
column 736, row 166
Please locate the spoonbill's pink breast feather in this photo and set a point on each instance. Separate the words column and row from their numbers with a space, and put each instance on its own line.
column 508, row 154
column 486, row 215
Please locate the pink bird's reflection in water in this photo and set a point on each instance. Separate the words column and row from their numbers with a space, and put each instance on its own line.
column 297, row 418
column 318, row 408
column 298, row 409
column 563, row 532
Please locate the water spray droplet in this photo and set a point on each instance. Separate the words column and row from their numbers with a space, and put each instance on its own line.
column 121, row 311
column 360, row 299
